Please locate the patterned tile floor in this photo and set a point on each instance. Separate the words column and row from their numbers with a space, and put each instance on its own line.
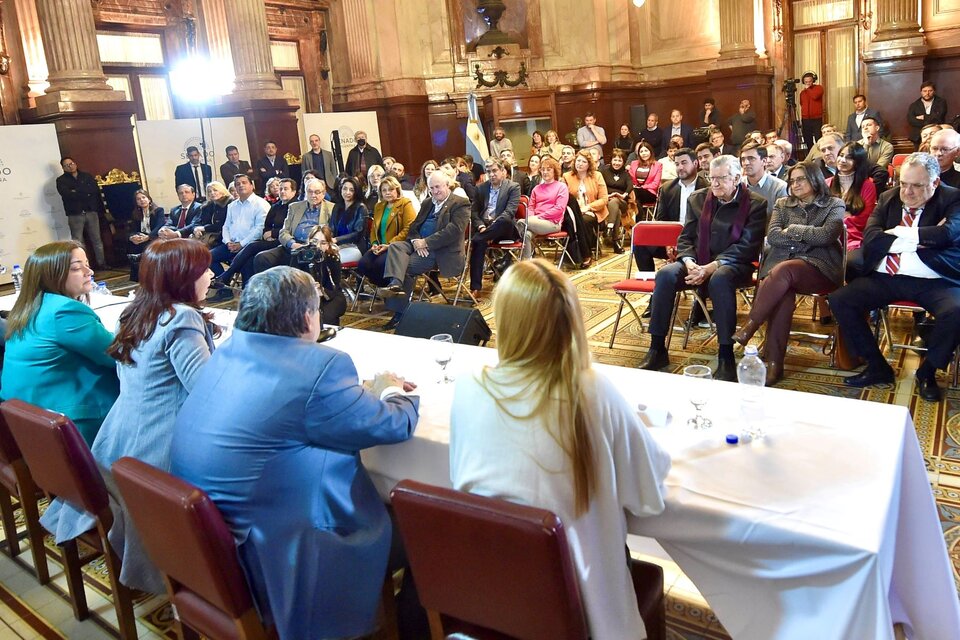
column 28, row 611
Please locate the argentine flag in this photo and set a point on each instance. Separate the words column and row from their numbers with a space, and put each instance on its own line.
column 476, row 142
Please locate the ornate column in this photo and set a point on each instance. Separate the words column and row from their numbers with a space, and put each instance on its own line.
column 73, row 59
column 738, row 46
column 894, row 62
column 32, row 42
column 250, row 48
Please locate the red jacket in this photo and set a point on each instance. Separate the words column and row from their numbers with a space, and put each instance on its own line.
column 811, row 103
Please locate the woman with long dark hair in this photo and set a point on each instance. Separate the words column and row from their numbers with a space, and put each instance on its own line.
column 625, row 141
column 645, row 172
column 163, row 340
column 536, row 143
column 544, row 428
column 348, row 222
column 853, row 185
column 146, row 220
column 56, row 346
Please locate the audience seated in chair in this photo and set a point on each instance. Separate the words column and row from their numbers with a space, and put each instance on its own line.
column 768, row 187
column 392, row 217
column 207, row 223
column 544, row 428
column 548, row 204
column 493, row 216
column 588, row 200
column 301, row 493
column 716, row 251
column 302, row 218
column 619, row 192
column 146, row 222
column 348, row 221
column 244, row 224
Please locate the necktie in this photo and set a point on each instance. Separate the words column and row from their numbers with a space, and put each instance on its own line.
column 182, row 222
column 893, row 259
column 196, row 176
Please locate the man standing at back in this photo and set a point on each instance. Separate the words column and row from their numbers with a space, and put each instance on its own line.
column 929, row 108
column 82, row 204
column 362, row 157
column 855, row 119
column 194, row 173
column 234, row 166
column 271, row 165
column 591, row 136
column 319, row 161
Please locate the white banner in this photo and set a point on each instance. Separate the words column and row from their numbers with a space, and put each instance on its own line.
column 347, row 123
column 163, row 146
column 32, row 214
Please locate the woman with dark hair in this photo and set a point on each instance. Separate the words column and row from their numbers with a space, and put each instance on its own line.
column 804, row 257
column 533, row 170
column 645, row 173
column 544, row 428
column 348, row 222
column 326, row 271
column 420, row 189
column 617, row 179
column 625, row 141
column 853, row 185
column 536, row 143
column 146, row 221
column 56, row 346
column 163, row 340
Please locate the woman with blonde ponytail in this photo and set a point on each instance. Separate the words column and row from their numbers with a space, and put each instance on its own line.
column 543, row 428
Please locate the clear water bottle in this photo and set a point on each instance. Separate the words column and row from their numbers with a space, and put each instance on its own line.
column 752, row 375
column 17, row 275
column 101, row 288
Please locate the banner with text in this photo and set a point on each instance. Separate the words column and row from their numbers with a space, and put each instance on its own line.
column 163, row 146
column 32, row 214
column 346, row 123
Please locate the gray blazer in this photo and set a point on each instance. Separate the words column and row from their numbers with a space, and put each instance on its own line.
column 329, row 169
column 295, row 213
column 447, row 241
column 809, row 232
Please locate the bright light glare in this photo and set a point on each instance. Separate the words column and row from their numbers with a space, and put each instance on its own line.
column 198, row 79
column 639, row 3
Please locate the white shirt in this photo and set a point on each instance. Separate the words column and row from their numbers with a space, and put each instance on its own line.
column 906, row 243
column 494, row 455
column 245, row 220
column 685, row 192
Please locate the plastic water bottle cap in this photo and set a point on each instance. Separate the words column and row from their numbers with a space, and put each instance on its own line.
column 732, row 438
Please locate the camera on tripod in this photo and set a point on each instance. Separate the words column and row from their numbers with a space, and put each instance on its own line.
column 789, row 90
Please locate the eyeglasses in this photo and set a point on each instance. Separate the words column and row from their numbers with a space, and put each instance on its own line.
column 914, row 185
column 718, row 179
column 797, row 181
column 943, row 149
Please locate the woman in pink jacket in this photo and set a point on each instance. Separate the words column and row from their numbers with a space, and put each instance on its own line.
column 548, row 202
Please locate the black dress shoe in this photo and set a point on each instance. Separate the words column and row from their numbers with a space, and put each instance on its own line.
column 393, row 323
column 655, row 360
column 327, row 334
column 726, row 370
column 927, row 388
column 647, row 312
column 617, row 249
column 873, row 374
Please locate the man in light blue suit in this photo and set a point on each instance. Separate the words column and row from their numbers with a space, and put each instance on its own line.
column 273, row 431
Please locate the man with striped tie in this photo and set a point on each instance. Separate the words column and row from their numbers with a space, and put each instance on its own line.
column 910, row 252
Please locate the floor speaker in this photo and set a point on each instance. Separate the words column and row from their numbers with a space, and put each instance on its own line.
column 423, row 319
column 638, row 119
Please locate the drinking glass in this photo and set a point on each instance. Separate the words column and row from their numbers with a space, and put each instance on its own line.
column 442, row 345
column 698, row 394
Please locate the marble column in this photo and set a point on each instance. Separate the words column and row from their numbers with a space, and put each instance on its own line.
column 738, row 45
column 895, row 66
column 32, row 43
column 73, row 59
column 250, row 48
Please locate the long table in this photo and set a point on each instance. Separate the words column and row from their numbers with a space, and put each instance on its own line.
column 825, row 528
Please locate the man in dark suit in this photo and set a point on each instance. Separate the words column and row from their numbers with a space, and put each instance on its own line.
column 855, row 119
column 513, row 173
column 677, row 127
column 234, row 166
column 910, row 251
column 194, row 173
column 493, row 216
column 653, row 135
column 320, row 161
column 182, row 215
column 271, row 165
column 362, row 157
column 435, row 240
column 929, row 108
column 718, row 142
column 715, row 260
column 672, row 205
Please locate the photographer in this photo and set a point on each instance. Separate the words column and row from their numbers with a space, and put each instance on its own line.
column 302, row 218
column 811, row 108
column 320, row 257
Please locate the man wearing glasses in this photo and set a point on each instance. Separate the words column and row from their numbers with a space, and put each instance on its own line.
column 910, row 251
column 945, row 146
column 720, row 241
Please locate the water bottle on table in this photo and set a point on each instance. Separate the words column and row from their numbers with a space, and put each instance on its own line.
column 17, row 275
column 752, row 375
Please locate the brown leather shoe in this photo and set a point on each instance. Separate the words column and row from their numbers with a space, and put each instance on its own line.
column 774, row 373
column 742, row 337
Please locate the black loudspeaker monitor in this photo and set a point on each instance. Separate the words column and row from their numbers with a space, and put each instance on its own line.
column 423, row 319
column 638, row 118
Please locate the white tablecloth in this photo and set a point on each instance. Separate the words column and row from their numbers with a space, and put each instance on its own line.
column 825, row 528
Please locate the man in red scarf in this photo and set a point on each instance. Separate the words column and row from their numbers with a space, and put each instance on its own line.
column 716, row 251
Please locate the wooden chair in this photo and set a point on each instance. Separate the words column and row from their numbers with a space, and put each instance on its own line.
column 62, row 465
column 494, row 569
column 16, row 482
column 187, row 539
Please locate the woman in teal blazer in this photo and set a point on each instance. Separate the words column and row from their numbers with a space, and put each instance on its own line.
column 56, row 350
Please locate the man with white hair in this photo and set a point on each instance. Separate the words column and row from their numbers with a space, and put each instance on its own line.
column 434, row 241
column 721, row 239
column 945, row 147
column 776, row 161
column 910, row 251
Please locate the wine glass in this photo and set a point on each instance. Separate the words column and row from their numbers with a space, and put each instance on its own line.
column 442, row 345
column 698, row 394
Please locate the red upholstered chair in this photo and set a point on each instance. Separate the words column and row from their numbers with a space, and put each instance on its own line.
column 494, row 569
column 62, row 465
column 187, row 539
column 651, row 234
column 513, row 247
column 16, row 482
